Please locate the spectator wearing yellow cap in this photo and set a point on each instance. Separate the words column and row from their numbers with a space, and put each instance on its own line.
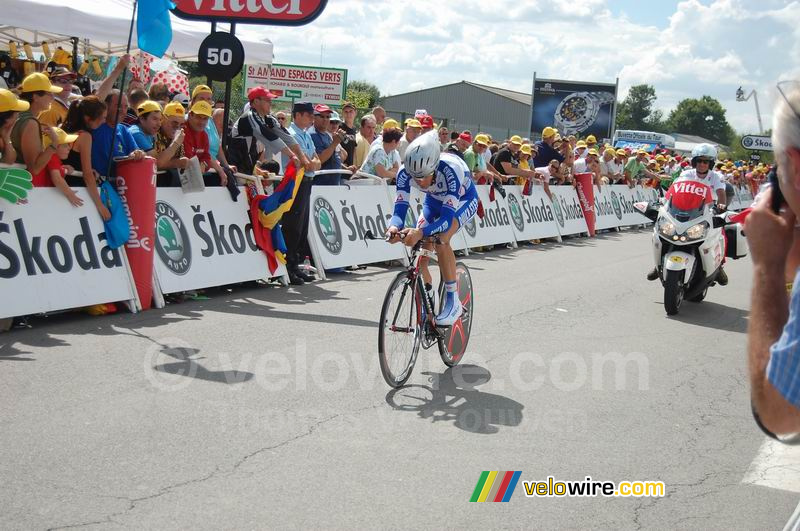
column 10, row 107
column 590, row 163
column 545, row 149
column 145, row 130
column 475, row 160
column 37, row 91
column 413, row 130
column 55, row 171
column 610, row 169
column 636, row 169
column 581, row 150
column 506, row 160
column 591, row 143
column 205, row 94
column 169, row 144
column 195, row 142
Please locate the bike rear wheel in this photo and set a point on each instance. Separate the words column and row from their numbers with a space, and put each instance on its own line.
column 453, row 347
column 400, row 329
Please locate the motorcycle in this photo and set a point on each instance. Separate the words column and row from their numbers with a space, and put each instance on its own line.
column 690, row 241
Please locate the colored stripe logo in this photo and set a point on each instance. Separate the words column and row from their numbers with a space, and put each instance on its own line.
column 494, row 486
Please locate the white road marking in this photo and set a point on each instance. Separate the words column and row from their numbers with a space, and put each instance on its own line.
column 776, row 466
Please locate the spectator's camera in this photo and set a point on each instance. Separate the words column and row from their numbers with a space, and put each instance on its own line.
column 777, row 196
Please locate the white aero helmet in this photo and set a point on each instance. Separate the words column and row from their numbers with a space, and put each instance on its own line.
column 704, row 151
column 422, row 156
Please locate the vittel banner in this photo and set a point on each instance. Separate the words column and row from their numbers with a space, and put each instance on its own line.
column 205, row 240
column 54, row 256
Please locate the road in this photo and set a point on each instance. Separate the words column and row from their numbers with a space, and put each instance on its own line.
column 263, row 407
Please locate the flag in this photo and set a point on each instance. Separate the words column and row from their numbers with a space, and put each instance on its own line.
column 266, row 212
column 153, row 26
column 494, row 486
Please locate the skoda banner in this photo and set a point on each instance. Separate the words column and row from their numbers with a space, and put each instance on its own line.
column 495, row 226
column 53, row 256
column 457, row 242
column 340, row 217
column 573, row 107
column 205, row 240
column 567, row 211
column 532, row 216
column 626, row 197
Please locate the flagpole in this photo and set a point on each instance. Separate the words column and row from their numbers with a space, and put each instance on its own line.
column 121, row 94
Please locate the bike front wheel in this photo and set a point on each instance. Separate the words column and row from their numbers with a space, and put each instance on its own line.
column 400, row 331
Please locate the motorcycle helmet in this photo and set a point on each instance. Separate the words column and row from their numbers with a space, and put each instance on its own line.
column 704, row 152
column 422, row 156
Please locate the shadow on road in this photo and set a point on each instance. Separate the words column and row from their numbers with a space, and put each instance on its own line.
column 453, row 397
column 713, row 315
column 189, row 367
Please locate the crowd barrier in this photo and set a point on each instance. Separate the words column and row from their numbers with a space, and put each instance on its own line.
column 53, row 256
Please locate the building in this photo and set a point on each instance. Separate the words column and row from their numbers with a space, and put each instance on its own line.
column 467, row 106
column 684, row 144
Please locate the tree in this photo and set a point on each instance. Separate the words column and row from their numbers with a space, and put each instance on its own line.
column 636, row 110
column 363, row 94
column 703, row 117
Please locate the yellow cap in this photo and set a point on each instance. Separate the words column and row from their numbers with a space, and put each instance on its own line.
column 10, row 102
column 174, row 109
column 201, row 88
column 610, row 150
column 594, row 152
column 581, row 144
column 147, row 106
column 413, row 122
column 202, row 108
column 547, row 132
column 526, row 148
column 63, row 137
column 591, row 139
column 482, row 140
column 39, row 82
column 391, row 124
column 516, row 139
column 641, row 152
column 622, row 153
column 659, row 158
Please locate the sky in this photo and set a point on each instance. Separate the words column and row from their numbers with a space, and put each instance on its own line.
column 685, row 49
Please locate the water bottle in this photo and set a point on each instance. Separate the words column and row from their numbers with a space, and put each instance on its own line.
column 307, row 267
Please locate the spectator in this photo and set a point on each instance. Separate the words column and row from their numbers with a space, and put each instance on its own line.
column 219, row 104
column 589, row 164
column 195, row 143
column 348, row 126
column 204, row 93
column 545, row 152
column 636, row 168
column 580, row 150
column 295, row 221
column 383, row 159
column 460, row 144
column 427, row 123
column 774, row 329
column 170, row 155
column 380, row 115
column 610, row 169
column 102, row 136
column 159, row 93
column 364, row 139
column 333, row 131
column 476, row 163
column 258, row 126
column 218, row 117
column 550, row 173
column 444, row 137
column 26, row 134
column 55, row 171
column 507, row 160
column 413, row 130
column 145, row 130
column 183, row 99
column 135, row 98
column 388, row 124
column 325, row 146
column 524, row 155
column 591, row 143
column 85, row 116
column 10, row 107
column 56, row 114
column 134, row 84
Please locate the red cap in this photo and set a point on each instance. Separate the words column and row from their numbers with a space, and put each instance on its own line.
column 260, row 92
column 466, row 137
column 322, row 108
column 426, row 121
column 678, row 158
column 684, row 164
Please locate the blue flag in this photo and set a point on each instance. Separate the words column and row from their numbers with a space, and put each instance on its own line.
column 153, row 26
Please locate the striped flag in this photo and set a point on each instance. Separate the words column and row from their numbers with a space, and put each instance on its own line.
column 494, row 486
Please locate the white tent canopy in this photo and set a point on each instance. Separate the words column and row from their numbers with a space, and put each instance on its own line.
column 104, row 25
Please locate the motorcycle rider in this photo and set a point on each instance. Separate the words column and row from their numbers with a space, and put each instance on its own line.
column 703, row 158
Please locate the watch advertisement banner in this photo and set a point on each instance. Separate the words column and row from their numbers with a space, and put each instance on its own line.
column 573, row 107
column 294, row 82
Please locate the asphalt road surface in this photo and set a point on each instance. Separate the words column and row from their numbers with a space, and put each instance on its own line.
column 263, row 407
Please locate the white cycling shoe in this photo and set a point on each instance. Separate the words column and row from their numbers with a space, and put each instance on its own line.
column 451, row 316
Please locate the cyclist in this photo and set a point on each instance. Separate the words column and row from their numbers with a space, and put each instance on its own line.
column 451, row 200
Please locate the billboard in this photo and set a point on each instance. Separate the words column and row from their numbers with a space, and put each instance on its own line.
column 294, row 82
column 285, row 13
column 573, row 107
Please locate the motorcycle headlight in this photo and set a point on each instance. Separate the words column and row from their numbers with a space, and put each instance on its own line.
column 697, row 232
column 667, row 228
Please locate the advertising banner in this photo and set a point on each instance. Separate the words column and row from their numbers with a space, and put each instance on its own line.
column 205, row 240
column 585, row 190
column 494, row 227
column 340, row 216
column 532, row 216
column 567, row 211
column 573, row 107
column 294, row 82
column 758, row 143
column 607, row 208
column 272, row 12
column 626, row 197
column 53, row 256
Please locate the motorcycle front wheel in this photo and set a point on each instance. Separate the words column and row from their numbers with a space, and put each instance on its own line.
column 673, row 292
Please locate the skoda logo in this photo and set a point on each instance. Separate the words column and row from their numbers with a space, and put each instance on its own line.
column 516, row 212
column 471, row 228
column 747, row 141
column 172, row 240
column 327, row 225
column 615, row 204
column 557, row 210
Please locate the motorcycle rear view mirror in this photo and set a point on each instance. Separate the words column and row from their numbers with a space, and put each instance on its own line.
column 718, row 222
column 648, row 210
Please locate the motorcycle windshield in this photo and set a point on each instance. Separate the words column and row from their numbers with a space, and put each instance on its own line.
column 682, row 213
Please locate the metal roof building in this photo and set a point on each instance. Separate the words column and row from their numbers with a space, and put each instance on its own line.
column 468, row 106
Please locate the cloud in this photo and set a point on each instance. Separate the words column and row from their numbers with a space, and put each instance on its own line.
column 710, row 47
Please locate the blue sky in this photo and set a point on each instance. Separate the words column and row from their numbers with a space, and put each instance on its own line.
column 684, row 48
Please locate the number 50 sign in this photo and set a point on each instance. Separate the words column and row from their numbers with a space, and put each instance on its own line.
column 221, row 56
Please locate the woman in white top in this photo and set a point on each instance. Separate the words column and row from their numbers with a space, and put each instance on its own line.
column 383, row 159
